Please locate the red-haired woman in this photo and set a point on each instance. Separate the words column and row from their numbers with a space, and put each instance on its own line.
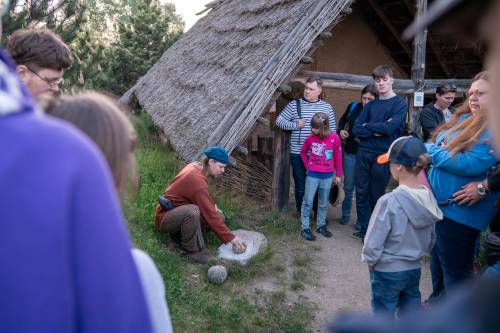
column 461, row 153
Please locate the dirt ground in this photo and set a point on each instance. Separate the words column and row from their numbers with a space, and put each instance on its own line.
column 336, row 278
column 343, row 281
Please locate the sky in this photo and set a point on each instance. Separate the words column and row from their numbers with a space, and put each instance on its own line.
column 187, row 9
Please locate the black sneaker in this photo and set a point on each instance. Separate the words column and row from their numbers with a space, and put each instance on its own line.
column 324, row 231
column 307, row 234
column 358, row 235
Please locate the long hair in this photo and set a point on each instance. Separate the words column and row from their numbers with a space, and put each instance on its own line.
column 101, row 119
column 320, row 121
column 470, row 129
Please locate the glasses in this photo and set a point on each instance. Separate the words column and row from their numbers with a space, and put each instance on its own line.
column 51, row 83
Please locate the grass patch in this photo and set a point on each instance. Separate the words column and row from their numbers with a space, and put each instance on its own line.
column 195, row 305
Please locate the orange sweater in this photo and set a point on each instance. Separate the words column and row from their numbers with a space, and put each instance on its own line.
column 190, row 186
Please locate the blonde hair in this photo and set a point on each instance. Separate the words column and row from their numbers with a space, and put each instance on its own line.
column 320, row 121
column 101, row 119
column 470, row 129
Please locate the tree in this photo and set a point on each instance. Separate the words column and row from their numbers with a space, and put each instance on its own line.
column 142, row 36
column 65, row 17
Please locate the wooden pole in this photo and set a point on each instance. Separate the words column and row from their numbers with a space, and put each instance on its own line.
column 418, row 67
column 281, row 163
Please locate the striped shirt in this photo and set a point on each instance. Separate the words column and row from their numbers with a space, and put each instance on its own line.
column 287, row 120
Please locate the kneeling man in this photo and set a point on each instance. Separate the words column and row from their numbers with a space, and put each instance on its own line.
column 192, row 206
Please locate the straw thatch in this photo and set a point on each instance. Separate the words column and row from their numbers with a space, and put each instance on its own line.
column 211, row 85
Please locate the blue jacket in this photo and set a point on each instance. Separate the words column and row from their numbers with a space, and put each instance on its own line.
column 65, row 254
column 380, row 123
column 448, row 174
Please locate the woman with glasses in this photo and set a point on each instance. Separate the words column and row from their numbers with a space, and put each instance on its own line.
column 461, row 153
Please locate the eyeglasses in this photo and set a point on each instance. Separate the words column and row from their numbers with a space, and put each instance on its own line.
column 51, row 83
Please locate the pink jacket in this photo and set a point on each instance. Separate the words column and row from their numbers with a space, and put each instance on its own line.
column 323, row 155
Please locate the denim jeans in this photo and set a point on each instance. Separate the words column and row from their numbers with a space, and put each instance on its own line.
column 299, row 174
column 371, row 181
column 299, row 178
column 452, row 256
column 323, row 186
column 392, row 290
column 349, row 162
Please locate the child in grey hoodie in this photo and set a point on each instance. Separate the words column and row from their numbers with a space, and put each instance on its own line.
column 401, row 230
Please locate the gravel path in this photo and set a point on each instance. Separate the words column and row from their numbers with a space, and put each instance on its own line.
column 342, row 280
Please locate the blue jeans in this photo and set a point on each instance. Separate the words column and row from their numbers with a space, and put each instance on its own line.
column 323, row 186
column 299, row 178
column 371, row 181
column 392, row 290
column 349, row 162
column 452, row 256
column 299, row 174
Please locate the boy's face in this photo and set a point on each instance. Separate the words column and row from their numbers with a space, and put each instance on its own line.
column 444, row 101
column 384, row 84
column 40, row 82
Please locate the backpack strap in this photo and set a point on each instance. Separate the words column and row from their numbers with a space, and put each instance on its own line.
column 299, row 113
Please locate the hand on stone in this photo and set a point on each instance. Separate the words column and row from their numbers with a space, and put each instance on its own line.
column 238, row 245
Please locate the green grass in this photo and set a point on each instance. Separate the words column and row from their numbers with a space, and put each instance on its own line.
column 195, row 305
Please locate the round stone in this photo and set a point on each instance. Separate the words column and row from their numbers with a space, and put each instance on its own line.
column 217, row 274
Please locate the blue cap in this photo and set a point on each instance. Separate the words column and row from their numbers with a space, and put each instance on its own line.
column 218, row 153
column 405, row 151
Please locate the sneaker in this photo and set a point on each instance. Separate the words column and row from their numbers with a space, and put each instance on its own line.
column 358, row 235
column 324, row 231
column 197, row 257
column 307, row 234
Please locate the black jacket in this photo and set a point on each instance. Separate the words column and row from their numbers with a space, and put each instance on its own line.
column 430, row 119
column 350, row 145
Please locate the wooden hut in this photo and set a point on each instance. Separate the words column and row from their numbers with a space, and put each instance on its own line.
column 223, row 81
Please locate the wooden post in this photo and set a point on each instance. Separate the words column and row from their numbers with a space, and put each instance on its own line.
column 281, row 164
column 418, row 67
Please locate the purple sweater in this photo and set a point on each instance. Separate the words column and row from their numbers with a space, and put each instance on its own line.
column 65, row 255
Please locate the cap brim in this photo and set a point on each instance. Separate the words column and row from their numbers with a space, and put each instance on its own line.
column 382, row 159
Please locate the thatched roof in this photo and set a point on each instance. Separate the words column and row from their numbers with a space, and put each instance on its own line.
column 212, row 84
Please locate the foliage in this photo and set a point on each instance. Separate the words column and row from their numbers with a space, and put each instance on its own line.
column 113, row 42
column 64, row 17
column 142, row 37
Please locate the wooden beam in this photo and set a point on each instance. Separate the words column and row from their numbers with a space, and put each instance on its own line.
column 418, row 67
column 357, row 82
column 263, row 121
column 438, row 53
column 395, row 33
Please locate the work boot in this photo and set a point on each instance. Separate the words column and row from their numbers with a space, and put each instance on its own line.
column 197, row 257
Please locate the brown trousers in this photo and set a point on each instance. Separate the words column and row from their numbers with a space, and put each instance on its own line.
column 186, row 222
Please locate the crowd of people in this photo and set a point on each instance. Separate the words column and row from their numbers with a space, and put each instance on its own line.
column 73, row 161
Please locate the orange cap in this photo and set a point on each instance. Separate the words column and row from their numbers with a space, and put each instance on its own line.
column 382, row 159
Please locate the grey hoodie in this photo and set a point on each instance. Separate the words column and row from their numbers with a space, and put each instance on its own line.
column 401, row 230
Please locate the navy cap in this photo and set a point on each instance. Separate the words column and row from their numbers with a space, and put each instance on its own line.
column 405, row 150
column 218, row 153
